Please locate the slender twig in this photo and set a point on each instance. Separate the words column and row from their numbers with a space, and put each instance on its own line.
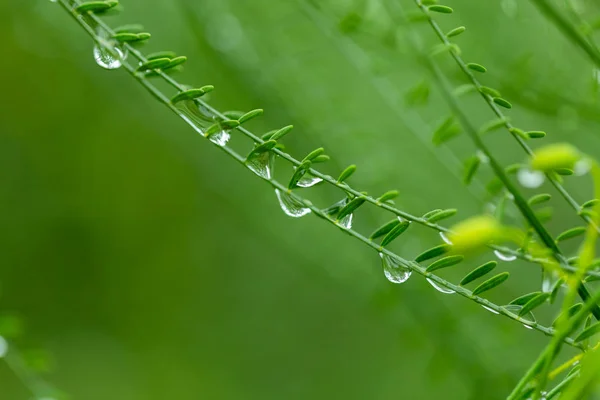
column 570, row 31
column 519, row 200
column 496, row 110
column 413, row 266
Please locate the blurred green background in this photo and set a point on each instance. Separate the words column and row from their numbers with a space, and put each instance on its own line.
column 151, row 266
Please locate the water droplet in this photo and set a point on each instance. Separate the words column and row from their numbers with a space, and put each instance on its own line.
column 530, row 179
column 290, row 205
column 346, row 222
column 107, row 58
column 444, row 238
column 490, row 309
column 505, row 257
column 308, row 181
column 394, row 272
column 482, row 157
column 582, row 167
column 220, row 138
column 194, row 114
column 262, row 164
column 440, row 288
column 3, row 347
column 549, row 279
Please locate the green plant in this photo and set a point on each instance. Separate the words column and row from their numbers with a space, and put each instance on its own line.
column 116, row 47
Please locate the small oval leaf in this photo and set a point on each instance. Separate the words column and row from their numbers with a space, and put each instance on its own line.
column 395, row 232
column 478, row 272
column 444, row 263
column 433, row 252
column 491, row 283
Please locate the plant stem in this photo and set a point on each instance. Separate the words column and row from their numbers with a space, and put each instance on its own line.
column 413, row 266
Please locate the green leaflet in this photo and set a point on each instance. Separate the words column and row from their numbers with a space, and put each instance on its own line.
column 191, row 94
column 456, row 31
column 428, row 214
column 502, row 102
column 384, row 229
column 233, row 114
column 571, row 233
column 282, row 132
column 470, row 169
column 395, row 232
column 590, row 203
column 491, row 283
column 444, row 263
column 536, row 134
column 489, row 91
column 564, row 171
column 588, row 332
column 539, row 198
column 347, row 173
column 135, row 28
column 574, row 309
column 494, row 124
column 351, row 206
column 440, row 9
column 463, row 89
column 478, row 272
column 128, row 37
column 299, row 173
column 95, row 6
column 350, row 23
column 440, row 215
column 161, row 54
column 522, row 300
column 175, row 62
column 391, row 194
column 519, row 132
column 155, row 63
column 433, row 252
column 320, row 158
column 266, row 146
column 250, row 115
column 446, row 131
column 534, row 303
column 477, row 67
column 418, row 95
column 314, row 154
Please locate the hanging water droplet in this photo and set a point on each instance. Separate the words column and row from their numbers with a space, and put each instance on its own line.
column 194, row 114
column 490, row 309
column 482, row 157
column 445, row 238
column 220, row 138
column 262, row 164
column 308, row 181
column 394, row 272
column 582, row 167
column 529, row 178
column 290, row 205
column 346, row 222
column 3, row 347
column 440, row 288
column 107, row 58
column 505, row 257
column 549, row 279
